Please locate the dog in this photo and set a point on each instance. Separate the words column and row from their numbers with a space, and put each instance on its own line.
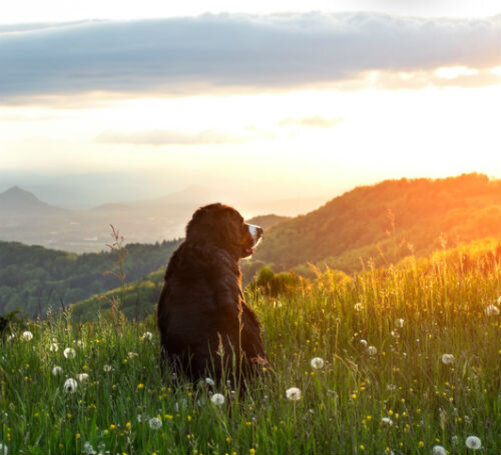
column 206, row 328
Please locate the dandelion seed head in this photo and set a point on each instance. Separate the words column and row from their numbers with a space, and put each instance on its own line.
column 4, row 450
column 88, row 449
column 57, row 370
column 107, row 368
column 80, row 344
column 210, row 381
column 293, row 394
column 155, row 423
column 491, row 310
column 132, row 355
column 82, row 377
column 438, row 450
column 147, row 336
column 387, row 421
column 399, row 323
column 317, row 363
column 447, row 359
column 364, row 343
column 372, row 350
column 70, row 385
column 69, row 353
column 358, row 306
column 53, row 347
column 27, row 335
column 217, row 399
column 473, row 442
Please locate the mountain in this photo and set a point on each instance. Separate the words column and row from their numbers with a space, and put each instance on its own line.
column 386, row 222
column 18, row 202
column 266, row 221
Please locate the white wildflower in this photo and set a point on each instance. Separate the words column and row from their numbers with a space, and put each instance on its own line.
column 387, row 421
column 4, row 450
column 53, row 347
column 147, row 336
column 82, row 377
column 132, row 355
column 364, row 343
column 491, row 310
column 11, row 337
column 317, row 363
column 155, row 423
column 358, row 306
column 438, row 450
column 107, row 368
column 447, row 359
column 473, row 442
column 210, row 381
column 454, row 440
column 293, row 394
column 372, row 350
column 217, row 399
column 69, row 353
column 88, row 449
column 399, row 323
column 80, row 344
column 27, row 335
column 56, row 371
column 70, row 385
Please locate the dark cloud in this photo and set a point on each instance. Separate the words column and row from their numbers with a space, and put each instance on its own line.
column 166, row 137
column 232, row 52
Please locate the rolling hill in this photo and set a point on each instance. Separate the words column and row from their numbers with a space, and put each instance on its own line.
column 386, row 222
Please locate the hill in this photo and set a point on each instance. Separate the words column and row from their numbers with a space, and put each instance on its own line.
column 32, row 278
column 20, row 203
column 387, row 222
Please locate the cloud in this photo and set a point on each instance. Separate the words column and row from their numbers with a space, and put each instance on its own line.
column 229, row 52
column 315, row 121
column 166, row 137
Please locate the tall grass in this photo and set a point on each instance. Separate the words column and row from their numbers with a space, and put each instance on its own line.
column 411, row 315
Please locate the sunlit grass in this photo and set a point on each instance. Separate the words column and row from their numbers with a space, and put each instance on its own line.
column 399, row 397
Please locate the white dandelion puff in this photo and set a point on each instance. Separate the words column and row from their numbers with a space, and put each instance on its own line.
column 447, row 359
column 27, row 335
column 155, row 423
column 293, row 394
column 399, row 323
column 147, row 336
column 210, row 381
column 57, row 370
column 364, row 343
column 491, row 310
column 473, row 442
column 82, row 377
column 358, row 306
column 217, row 399
column 107, row 368
column 454, row 440
column 69, row 353
column 70, row 385
column 438, row 450
column 372, row 350
column 387, row 421
column 132, row 355
column 80, row 344
column 53, row 347
column 4, row 450
column 317, row 363
column 88, row 449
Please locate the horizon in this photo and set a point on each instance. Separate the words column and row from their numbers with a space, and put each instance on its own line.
column 275, row 102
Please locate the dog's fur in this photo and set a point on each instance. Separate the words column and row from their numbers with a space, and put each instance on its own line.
column 205, row 325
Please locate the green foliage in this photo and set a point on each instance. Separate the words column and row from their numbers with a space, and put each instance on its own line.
column 32, row 278
column 411, row 313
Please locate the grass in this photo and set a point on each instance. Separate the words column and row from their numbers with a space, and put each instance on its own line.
column 443, row 307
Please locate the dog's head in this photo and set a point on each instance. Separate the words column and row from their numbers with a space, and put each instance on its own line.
column 223, row 226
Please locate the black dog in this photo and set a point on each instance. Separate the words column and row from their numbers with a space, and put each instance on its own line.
column 205, row 325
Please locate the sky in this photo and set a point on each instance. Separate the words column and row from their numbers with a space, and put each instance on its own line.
column 103, row 101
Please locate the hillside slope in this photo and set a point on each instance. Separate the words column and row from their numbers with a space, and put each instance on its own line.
column 387, row 221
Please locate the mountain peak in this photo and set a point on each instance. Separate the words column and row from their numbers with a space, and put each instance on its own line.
column 17, row 199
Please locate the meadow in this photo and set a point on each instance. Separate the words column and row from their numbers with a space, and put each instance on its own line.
column 400, row 360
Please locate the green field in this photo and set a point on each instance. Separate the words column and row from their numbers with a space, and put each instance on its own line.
column 390, row 394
